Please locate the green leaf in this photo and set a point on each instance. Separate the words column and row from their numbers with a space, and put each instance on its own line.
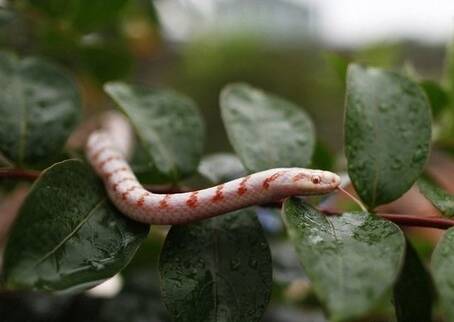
column 217, row 270
column 438, row 97
column 323, row 158
column 413, row 292
column 84, row 15
column 266, row 131
column 443, row 272
column 144, row 168
column 352, row 259
column 439, row 198
column 106, row 60
column 68, row 236
column 221, row 167
column 168, row 126
column 39, row 108
column 387, row 133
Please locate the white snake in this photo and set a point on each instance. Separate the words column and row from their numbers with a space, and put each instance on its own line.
column 107, row 150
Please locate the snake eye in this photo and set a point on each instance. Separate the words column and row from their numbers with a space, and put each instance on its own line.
column 316, row 179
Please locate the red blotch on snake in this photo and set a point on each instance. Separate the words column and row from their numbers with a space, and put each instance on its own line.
column 242, row 188
column 267, row 181
column 192, row 201
column 141, row 200
column 109, row 159
column 163, row 203
column 218, row 195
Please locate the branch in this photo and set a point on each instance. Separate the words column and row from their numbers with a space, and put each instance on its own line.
column 419, row 221
column 30, row 175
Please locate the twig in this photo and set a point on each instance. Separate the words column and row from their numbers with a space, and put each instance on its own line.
column 30, row 175
column 419, row 221
column 408, row 220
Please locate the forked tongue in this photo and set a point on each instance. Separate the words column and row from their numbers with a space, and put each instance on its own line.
column 352, row 197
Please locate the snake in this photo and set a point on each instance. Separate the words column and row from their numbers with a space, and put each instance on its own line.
column 109, row 147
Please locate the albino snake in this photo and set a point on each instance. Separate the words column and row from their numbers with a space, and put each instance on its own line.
column 107, row 150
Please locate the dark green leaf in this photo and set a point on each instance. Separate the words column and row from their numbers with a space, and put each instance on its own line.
column 144, row 168
column 84, row 15
column 168, row 126
column 323, row 158
column 68, row 236
column 266, row 131
column 438, row 97
column 217, row 270
column 39, row 108
column 105, row 60
column 387, row 133
column 221, row 167
column 441, row 199
column 413, row 290
column 352, row 260
column 443, row 272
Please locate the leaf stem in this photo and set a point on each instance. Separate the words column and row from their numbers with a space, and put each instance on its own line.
column 16, row 173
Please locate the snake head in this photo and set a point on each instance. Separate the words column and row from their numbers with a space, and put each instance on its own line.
column 316, row 181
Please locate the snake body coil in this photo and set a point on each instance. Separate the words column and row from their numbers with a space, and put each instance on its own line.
column 107, row 150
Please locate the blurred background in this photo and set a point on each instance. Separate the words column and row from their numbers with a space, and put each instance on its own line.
column 298, row 49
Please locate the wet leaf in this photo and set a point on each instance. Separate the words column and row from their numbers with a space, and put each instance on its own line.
column 352, row 259
column 439, row 198
column 217, row 270
column 168, row 126
column 68, row 236
column 443, row 272
column 39, row 108
column 387, row 133
column 266, row 131
column 413, row 290
column 221, row 167
column 144, row 168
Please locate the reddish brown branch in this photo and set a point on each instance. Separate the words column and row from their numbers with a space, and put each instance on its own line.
column 30, row 175
column 409, row 220
column 419, row 221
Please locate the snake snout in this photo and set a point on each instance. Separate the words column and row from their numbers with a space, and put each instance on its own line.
column 331, row 179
